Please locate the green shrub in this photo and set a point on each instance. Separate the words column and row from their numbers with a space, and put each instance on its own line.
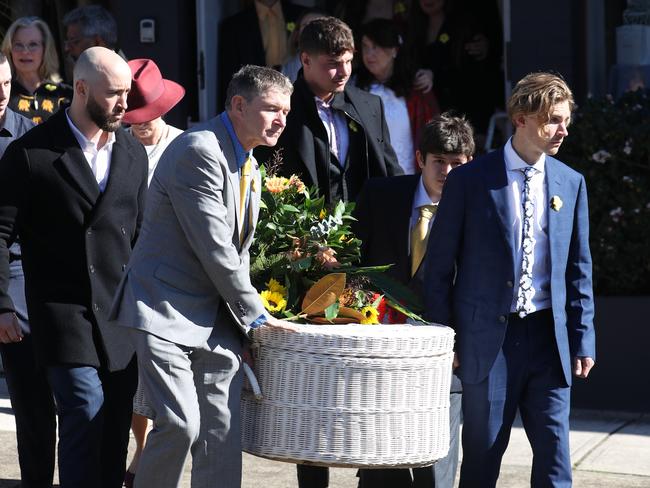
column 609, row 143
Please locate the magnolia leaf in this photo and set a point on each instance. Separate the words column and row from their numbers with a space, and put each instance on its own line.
column 351, row 313
column 323, row 293
column 332, row 311
column 319, row 304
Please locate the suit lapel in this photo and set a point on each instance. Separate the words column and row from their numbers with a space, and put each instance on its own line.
column 254, row 203
column 496, row 180
column 554, row 187
column 118, row 176
column 233, row 170
column 73, row 161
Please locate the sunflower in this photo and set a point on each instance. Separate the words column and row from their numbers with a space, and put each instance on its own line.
column 370, row 314
column 275, row 285
column 273, row 301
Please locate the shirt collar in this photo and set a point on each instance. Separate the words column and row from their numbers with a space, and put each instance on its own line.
column 10, row 124
column 85, row 143
column 421, row 196
column 240, row 154
column 263, row 10
column 515, row 163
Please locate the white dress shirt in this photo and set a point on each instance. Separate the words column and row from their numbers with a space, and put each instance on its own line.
column 542, row 263
column 337, row 130
column 420, row 198
column 99, row 160
column 399, row 126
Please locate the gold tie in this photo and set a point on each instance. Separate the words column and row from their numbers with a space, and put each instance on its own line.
column 274, row 35
column 244, row 182
column 420, row 235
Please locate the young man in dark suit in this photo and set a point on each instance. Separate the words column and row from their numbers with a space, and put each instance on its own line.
column 394, row 216
column 73, row 189
column 336, row 135
column 512, row 276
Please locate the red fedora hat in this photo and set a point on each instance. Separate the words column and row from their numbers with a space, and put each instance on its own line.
column 151, row 96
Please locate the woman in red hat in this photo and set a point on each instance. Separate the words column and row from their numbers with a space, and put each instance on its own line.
column 150, row 98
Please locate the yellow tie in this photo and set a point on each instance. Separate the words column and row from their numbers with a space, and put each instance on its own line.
column 273, row 31
column 244, row 182
column 420, row 235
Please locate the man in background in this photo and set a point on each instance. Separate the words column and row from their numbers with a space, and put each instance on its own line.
column 88, row 26
column 30, row 395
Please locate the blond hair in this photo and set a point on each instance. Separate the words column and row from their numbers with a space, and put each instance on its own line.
column 537, row 94
column 49, row 68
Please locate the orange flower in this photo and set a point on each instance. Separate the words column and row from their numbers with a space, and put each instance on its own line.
column 277, row 184
column 297, row 184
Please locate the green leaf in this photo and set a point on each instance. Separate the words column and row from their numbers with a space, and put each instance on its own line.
column 290, row 208
column 396, row 292
column 332, row 311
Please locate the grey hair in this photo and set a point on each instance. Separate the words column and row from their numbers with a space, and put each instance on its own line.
column 252, row 81
column 94, row 20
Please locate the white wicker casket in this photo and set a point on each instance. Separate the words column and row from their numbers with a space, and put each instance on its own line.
column 350, row 395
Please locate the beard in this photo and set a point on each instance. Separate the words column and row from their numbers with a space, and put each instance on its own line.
column 101, row 118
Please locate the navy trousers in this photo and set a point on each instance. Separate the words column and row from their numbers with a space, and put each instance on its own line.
column 94, row 408
column 527, row 375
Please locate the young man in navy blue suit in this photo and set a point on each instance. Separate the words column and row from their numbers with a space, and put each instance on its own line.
column 512, row 276
column 388, row 212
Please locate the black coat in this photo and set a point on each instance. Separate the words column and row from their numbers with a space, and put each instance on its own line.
column 383, row 213
column 240, row 43
column 305, row 144
column 75, row 240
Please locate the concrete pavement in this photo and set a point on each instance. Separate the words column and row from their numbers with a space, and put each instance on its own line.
column 609, row 450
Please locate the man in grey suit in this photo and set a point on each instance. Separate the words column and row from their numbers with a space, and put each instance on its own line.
column 186, row 296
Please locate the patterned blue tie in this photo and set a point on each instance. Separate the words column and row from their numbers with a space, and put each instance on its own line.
column 526, row 290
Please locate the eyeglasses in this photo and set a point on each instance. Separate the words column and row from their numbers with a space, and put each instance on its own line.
column 31, row 47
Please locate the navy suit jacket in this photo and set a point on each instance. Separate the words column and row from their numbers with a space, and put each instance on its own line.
column 472, row 238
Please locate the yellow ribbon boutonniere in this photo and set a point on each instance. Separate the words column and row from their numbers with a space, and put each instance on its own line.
column 556, row 203
column 50, row 87
column 291, row 26
column 444, row 38
column 353, row 126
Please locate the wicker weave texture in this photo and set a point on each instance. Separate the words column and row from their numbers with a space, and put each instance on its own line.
column 329, row 405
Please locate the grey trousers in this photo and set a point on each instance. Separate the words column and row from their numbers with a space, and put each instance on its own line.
column 194, row 394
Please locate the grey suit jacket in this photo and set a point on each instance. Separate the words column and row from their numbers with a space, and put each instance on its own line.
column 188, row 261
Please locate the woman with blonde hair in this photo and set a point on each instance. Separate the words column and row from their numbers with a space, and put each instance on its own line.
column 36, row 89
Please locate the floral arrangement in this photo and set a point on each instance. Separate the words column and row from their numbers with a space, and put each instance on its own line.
column 609, row 143
column 303, row 259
